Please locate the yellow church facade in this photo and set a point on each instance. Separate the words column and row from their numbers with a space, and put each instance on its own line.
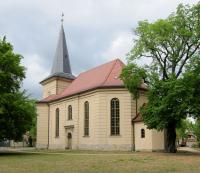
column 92, row 111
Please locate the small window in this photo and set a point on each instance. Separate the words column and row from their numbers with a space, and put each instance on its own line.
column 57, row 123
column 142, row 133
column 69, row 112
column 86, row 118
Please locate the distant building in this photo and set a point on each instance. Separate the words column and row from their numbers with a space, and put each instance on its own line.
column 189, row 141
column 91, row 111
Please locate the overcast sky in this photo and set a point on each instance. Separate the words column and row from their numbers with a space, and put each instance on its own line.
column 97, row 31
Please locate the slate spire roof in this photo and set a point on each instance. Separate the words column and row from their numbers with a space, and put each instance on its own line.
column 61, row 63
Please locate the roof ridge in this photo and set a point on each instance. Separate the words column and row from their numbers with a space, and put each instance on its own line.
column 115, row 60
column 109, row 72
column 100, row 76
column 97, row 66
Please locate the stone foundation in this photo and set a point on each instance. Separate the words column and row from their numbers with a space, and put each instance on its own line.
column 41, row 146
column 102, row 147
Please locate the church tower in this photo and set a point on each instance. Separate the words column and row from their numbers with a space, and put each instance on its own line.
column 61, row 75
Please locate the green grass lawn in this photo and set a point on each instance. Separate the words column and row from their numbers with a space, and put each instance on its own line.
column 98, row 162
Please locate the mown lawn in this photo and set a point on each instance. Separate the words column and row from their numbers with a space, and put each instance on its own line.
column 98, row 162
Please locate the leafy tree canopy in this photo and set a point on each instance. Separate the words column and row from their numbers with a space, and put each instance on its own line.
column 196, row 131
column 184, row 129
column 16, row 109
column 172, row 47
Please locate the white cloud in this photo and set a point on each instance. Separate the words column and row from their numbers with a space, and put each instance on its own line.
column 96, row 30
column 119, row 47
column 35, row 72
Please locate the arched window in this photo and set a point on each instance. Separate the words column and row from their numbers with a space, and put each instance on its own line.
column 114, row 117
column 57, row 123
column 69, row 112
column 86, row 118
column 142, row 133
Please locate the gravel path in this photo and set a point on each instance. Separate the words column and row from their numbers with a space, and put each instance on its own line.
column 188, row 149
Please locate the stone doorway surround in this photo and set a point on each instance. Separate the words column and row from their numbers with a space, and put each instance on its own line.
column 69, row 136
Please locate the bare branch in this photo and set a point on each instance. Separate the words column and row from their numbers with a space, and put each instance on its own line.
column 188, row 55
column 148, row 56
column 158, row 58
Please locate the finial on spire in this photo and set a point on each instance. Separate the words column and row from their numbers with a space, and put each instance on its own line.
column 62, row 18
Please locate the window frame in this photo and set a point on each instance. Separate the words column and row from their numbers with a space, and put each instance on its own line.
column 142, row 133
column 57, row 121
column 115, row 117
column 86, row 119
column 70, row 117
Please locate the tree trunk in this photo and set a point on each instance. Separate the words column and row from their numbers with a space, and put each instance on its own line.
column 170, row 139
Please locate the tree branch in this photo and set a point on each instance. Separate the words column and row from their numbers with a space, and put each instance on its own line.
column 188, row 55
column 158, row 58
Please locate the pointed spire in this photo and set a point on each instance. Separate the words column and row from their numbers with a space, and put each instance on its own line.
column 61, row 63
column 62, row 19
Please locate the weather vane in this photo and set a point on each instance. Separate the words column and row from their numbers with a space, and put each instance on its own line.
column 62, row 18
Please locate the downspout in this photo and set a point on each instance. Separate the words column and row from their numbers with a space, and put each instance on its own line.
column 136, row 106
column 48, row 124
column 78, row 124
column 133, row 145
column 133, row 124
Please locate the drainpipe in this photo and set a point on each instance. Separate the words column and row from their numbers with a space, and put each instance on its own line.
column 136, row 106
column 133, row 146
column 78, row 124
column 48, row 124
column 133, row 125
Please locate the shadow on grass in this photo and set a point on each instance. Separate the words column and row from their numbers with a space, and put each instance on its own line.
column 13, row 153
column 180, row 154
column 188, row 153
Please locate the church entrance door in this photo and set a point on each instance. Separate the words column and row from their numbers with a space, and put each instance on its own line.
column 69, row 141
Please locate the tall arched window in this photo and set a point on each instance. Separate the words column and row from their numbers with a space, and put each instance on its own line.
column 86, row 118
column 57, row 123
column 114, row 117
column 69, row 112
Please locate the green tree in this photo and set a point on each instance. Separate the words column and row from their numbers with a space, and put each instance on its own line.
column 184, row 129
column 192, row 79
column 16, row 109
column 170, row 45
column 196, row 131
column 34, row 120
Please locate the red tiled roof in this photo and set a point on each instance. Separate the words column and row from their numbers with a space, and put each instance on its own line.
column 51, row 97
column 106, row 75
column 137, row 118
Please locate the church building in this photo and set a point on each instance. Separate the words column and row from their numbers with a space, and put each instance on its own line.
column 92, row 111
